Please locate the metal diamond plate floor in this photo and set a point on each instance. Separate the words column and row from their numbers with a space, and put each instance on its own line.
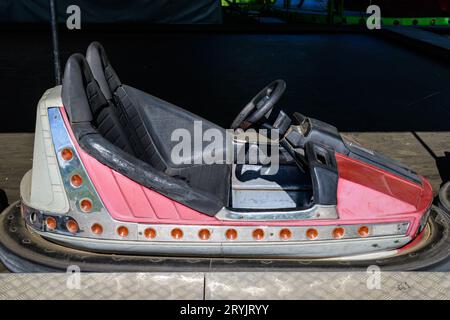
column 326, row 285
column 236, row 286
column 115, row 286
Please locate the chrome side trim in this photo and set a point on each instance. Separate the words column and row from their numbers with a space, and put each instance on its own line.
column 294, row 249
column 216, row 233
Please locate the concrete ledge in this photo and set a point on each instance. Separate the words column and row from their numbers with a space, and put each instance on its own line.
column 420, row 40
column 423, row 36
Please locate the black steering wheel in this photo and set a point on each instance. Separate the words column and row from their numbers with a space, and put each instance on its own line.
column 260, row 105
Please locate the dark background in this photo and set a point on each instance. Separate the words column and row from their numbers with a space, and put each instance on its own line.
column 357, row 81
column 114, row 11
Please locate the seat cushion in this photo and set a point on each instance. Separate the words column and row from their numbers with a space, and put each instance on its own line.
column 150, row 123
column 214, row 179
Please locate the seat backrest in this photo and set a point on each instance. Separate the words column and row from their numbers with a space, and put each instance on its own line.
column 84, row 101
column 131, row 121
column 102, row 70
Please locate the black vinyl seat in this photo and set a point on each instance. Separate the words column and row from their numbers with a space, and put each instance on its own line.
column 130, row 131
column 149, row 123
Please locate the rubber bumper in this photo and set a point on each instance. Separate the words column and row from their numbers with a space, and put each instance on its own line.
column 444, row 197
column 3, row 200
column 24, row 251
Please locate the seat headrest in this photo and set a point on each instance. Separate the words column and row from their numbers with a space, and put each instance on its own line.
column 81, row 94
column 102, row 70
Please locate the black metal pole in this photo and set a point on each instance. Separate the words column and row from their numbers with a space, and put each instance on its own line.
column 56, row 63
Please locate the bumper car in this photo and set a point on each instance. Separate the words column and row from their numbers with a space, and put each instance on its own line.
column 124, row 181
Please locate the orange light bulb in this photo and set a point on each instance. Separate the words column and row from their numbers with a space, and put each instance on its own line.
column 285, row 234
column 76, row 180
column 231, row 234
column 312, row 234
column 258, row 234
column 50, row 222
column 204, row 234
column 122, row 231
column 177, row 233
column 363, row 231
column 97, row 228
column 150, row 233
column 67, row 154
column 338, row 233
column 72, row 226
column 86, row 205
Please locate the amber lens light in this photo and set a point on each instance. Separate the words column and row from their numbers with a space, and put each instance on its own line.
column 122, row 231
column 97, row 228
column 72, row 226
column 86, row 205
column 50, row 222
column 258, row 234
column 312, row 234
column 231, row 234
column 338, row 233
column 285, row 234
column 204, row 234
column 177, row 233
column 67, row 154
column 150, row 233
column 76, row 180
column 363, row 231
